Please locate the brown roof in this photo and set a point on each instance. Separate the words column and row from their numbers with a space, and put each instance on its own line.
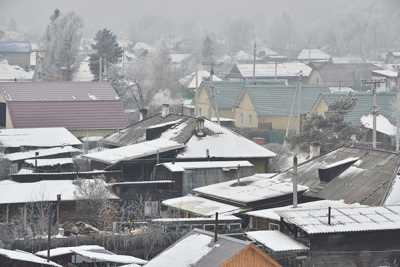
column 69, row 114
column 57, row 91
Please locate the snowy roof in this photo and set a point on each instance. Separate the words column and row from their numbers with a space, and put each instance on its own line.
column 352, row 219
column 341, row 90
column 20, row 255
column 224, row 143
column 200, row 206
column 273, row 215
column 383, row 125
column 393, row 196
column 198, row 248
column 83, row 73
column 313, row 54
column 37, row 137
column 195, row 219
column 276, row 241
column 386, row 73
column 10, row 72
column 139, row 150
column 45, row 190
column 15, row 47
column 285, row 70
column 182, row 166
column 202, row 75
column 178, row 58
column 243, row 56
column 222, row 119
column 49, row 162
column 55, row 252
column 252, row 188
column 42, row 153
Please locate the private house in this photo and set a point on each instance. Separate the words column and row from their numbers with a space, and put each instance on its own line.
column 342, row 74
column 292, row 72
column 275, row 107
column 88, row 255
column 345, row 236
column 201, row 248
column 258, row 191
column 16, row 53
column 354, row 174
column 84, row 108
column 192, row 174
column 313, row 56
column 185, row 138
column 389, row 76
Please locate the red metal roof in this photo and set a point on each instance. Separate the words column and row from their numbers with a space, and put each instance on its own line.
column 69, row 114
column 57, row 91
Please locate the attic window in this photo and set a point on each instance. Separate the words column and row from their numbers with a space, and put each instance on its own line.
column 329, row 172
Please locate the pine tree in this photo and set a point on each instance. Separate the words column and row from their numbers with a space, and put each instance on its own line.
column 208, row 51
column 106, row 47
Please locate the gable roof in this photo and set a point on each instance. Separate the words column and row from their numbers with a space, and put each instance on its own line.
column 366, row 179
column 37, row 137
column 353, row 219
column 270, row 70
column 73, row 115
column 15, row 47
column 57, row 91
column 30, row 154
column 198, row 249
column 363, row 106
column 276, row 241
column 19, row 255
column 190, row 165
column 313, row 54
column 253, row 188
column 276, row 100
column 226, row 92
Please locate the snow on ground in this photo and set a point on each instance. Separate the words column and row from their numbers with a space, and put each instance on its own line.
column 383, row 125
column 10, row 72
column 185, row 253
column 276, row 241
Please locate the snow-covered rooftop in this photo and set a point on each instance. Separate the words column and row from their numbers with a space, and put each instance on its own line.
column 273, row 215
column 41, row 153
column 42, row 191
column 223, row 144
column 285, row 70
column 195, row 219
column 83, row 74
column 55, row 252
column 252, row 188
column 383, row 125
column 139, row 150
column 276, row 241
column 313, row 55
column 20, row 255
column 386, row 73
column 49, row 162
column 182, row 166
column 37, row 137
column 10, row 72
column 178, row 58
column 350, row 219
column 200, row 206
column 202, row 75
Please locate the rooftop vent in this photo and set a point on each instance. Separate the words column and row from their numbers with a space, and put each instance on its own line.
column 329, row 172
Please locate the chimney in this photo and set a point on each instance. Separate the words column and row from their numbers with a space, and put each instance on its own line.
column 315, row 150
column 143, row 114
column 165, row 110
column 294, row 181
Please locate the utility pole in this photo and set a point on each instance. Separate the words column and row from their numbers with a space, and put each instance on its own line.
column 397, row 112
column 300, row 85
column 100, row 69
column 294, row 181
column 375, row 110
column 254, row 62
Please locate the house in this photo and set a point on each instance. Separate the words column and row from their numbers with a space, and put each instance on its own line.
column 87, row 254
column 17, row 198
column 313, row 55
column 346, row 236
column 192, row 174
column 193, row 80
column 19, row 258
column 253, row 192
column 269, row 219
column 23, row 139
column 342, row 74
column 16, row 52
column 390, row 78
column 290, row 71
column 191, row 139
column 354, row 174
column 201, row 248
column 84, row 108
column 283, row 248
column 13, row 73
column 275, row 107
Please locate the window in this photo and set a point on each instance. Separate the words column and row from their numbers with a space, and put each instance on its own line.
column 274, row 226
column 235, row 227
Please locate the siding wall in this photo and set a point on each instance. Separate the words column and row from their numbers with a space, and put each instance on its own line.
column 251, row 256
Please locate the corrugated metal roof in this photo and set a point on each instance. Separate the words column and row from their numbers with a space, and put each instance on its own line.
column 351, row 219
column 15, row 47
column 57, row 91
column 73, row 115
column 276, row 241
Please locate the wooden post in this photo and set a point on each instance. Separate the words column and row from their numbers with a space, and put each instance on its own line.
column 7, row 212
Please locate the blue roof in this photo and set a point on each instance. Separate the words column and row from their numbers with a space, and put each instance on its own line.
column 15, row 47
